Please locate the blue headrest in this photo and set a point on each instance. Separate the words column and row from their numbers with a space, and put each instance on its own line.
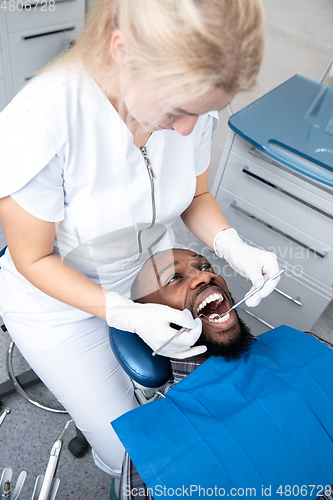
column 135, row 357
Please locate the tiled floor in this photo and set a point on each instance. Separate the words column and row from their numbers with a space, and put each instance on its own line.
column 299, row 41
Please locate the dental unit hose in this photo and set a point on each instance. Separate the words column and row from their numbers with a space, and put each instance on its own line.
column 52, row 465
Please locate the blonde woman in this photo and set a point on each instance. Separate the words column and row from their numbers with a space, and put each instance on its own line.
column 99, row 154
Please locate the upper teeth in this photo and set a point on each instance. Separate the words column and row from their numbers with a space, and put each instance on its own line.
column 211, row 298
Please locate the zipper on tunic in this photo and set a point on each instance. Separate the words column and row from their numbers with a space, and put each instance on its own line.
column 147, row 162
column 152, row 193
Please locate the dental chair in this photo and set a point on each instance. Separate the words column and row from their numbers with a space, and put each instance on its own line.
column 78, row 446
column 148, row 373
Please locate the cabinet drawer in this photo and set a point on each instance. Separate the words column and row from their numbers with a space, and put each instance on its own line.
column 40, row 14
column 248, row 151
column 281, row 197
column 32, row 50
column 304, row 253
column 3, row 95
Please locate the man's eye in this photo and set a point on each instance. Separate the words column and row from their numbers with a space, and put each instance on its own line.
column 205, row 267
column 172, row 279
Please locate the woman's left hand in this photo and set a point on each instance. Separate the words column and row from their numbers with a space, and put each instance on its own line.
column 250, row 262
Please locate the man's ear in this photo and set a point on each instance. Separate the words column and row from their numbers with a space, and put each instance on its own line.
column 117, row 47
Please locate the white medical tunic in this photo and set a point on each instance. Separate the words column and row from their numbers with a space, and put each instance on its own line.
column 67, row 157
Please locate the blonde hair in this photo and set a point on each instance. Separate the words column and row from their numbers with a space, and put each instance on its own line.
column 196, row 45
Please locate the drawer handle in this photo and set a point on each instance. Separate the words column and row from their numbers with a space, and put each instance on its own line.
column 48, row 33
column 281, row 190
column 289, row 297
column 257, row 318
column 251, row 216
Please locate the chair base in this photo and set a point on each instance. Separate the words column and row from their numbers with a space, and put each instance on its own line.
column 26, row 379
column 78, row 446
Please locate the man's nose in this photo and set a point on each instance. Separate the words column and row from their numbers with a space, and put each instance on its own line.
column 198, row 278
column 185, row 124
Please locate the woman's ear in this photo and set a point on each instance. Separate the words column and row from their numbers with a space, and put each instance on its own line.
column 117, row 47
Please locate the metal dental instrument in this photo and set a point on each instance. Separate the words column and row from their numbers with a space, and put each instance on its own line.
column 6, row 484
column 247, row 296
column 4, row 413
column 179, row 332
column 6, row 491
column 52, row 465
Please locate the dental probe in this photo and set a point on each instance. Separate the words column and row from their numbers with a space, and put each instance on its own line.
column 180, row 330
column 52, row 465
column 247, row 296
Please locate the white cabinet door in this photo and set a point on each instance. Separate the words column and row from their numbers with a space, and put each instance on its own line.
column 31, row 50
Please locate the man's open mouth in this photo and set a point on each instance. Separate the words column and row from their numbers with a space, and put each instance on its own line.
column 213, row 306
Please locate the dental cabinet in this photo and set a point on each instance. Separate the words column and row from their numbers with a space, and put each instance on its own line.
column 32, row 33
column 274, row 184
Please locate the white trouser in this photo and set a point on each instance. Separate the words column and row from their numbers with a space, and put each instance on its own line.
column 81, row 371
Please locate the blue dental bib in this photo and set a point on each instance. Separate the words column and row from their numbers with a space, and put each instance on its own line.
column 264, row 422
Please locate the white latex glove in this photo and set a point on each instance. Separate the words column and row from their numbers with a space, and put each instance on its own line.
column 250, row 262
column 152, row 323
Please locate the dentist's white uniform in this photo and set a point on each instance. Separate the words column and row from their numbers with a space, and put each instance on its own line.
column 67, row 157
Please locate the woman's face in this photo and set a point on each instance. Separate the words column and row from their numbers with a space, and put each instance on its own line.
column 154, row 115
column 145, row 106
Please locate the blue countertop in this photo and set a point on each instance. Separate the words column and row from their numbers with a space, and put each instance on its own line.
column 293, row 124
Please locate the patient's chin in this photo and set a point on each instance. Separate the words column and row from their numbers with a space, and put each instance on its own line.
column 228, row 348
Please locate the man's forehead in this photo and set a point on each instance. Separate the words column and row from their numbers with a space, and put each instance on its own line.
column 167, row 261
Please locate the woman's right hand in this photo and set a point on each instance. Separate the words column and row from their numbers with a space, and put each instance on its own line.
column 152, row 323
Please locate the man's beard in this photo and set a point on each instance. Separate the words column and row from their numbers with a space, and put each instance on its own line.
column 233, row 349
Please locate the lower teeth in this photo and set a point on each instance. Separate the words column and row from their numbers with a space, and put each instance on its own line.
column 216, row 318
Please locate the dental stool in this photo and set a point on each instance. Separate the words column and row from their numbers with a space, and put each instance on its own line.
column 148, row 373
column 78, row 445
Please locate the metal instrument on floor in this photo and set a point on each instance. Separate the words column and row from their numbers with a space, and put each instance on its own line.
column 46, row 486
column 4, row 412
column 6, row 489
